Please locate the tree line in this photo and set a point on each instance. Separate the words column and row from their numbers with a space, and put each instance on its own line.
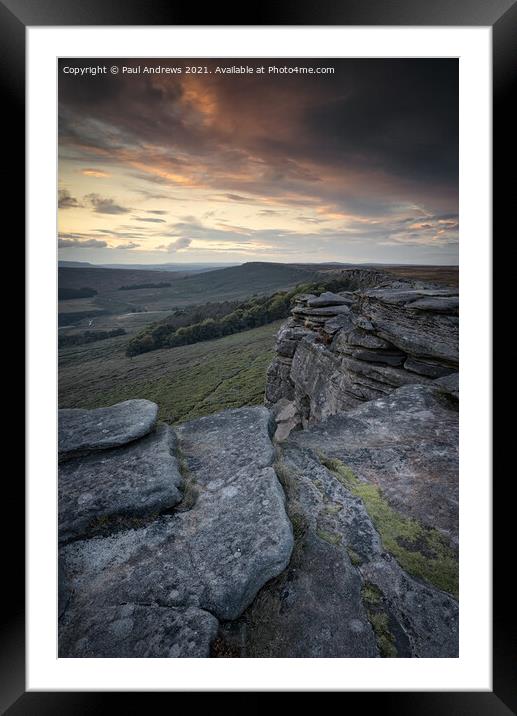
column 132, row 286
column 79, row 339
column 65, row 294
column 252, row 313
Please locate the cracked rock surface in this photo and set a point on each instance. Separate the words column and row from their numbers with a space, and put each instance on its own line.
column 187, row 569
column 135, row 480
column 344, row 593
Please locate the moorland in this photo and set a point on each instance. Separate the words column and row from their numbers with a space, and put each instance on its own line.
column 116, row 307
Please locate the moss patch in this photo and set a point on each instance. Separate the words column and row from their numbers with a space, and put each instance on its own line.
column 385, row 639
column 330, row 537
column 355, row 558
column 371, row 594
column 333, row 508
column 420, row 550
column 373, row 603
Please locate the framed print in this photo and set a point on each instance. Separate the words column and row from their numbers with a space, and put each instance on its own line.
column 255, row 256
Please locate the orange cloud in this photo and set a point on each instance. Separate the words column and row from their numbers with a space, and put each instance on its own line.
column 95, row 173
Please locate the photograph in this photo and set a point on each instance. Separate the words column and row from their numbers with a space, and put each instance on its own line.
column 258, row 322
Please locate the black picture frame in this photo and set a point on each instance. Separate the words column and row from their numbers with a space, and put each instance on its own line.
column 15, row 17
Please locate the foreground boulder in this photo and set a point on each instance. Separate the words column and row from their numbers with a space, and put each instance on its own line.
column 136, row 480
column 180, row 573
column 83, row 431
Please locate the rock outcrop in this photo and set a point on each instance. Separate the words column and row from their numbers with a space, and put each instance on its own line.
column 338, row 350
column 322, row 525
column 158, row 586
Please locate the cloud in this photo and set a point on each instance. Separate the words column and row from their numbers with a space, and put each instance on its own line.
column 368, row 155
column 129, row 245
column 65, row 243
column 177, row 245
column 105, row 205
column 375, row 126
column 66, row 200
column 100, row 173
column 233, row 197
column 120, row 234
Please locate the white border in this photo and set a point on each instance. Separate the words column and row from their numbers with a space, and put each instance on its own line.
column 472, row 670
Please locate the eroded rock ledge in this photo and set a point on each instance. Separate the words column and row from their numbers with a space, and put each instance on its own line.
column 339, row 350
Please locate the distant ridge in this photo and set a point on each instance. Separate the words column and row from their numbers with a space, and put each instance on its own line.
column 196, row 286
column 74, row 264
column 147, row 267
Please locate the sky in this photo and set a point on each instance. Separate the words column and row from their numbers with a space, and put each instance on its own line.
column 358, row 164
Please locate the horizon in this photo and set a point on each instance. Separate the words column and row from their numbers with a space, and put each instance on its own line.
column 359, row 166
column 242, row 263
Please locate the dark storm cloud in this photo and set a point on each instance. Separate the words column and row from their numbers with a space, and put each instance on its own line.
column 375, row 144
column 397, row 116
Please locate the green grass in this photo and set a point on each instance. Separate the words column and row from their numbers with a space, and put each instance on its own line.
column 421, row 551
column 186, row 382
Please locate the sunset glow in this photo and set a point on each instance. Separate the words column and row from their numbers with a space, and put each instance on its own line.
column 357, row 166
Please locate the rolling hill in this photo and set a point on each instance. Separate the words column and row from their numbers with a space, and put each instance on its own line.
column 186, row 288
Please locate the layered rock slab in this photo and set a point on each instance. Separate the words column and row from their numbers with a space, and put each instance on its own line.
column 139, row 479
column 333, row 356
column 421, row 322
column 213, row 557
column 82, row 431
